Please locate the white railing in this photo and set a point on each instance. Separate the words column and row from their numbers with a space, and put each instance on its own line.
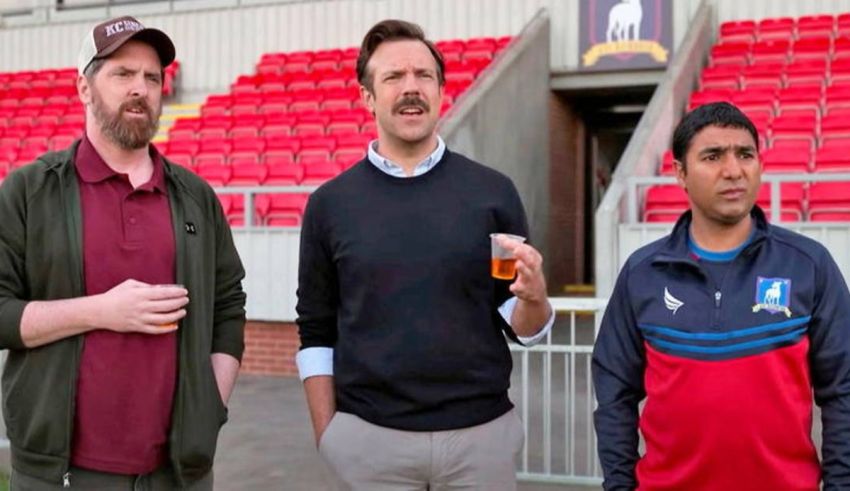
column 249, row 193
column 552, row 388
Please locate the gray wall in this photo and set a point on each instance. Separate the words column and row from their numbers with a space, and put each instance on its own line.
column 220, row 39
column 649, row 141
column 504, row 122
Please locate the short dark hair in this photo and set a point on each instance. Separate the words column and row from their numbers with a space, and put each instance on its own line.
column 391, row 30
column 720, row 114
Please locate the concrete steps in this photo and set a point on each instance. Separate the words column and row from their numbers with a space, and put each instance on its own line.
column 170, row 114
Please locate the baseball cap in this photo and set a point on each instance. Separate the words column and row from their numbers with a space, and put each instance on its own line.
column 106, row 37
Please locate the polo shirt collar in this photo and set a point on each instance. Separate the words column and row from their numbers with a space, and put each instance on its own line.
column 93, row 169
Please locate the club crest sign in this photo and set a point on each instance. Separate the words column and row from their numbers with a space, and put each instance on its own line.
column 625, row 34
column 773, row 295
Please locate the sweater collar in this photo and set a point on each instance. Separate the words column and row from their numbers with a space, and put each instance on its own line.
column 391, row 168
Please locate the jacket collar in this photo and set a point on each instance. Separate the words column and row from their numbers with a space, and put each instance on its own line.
column 675, row 248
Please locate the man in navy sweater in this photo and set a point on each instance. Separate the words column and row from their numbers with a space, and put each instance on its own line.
column 725, row 327
column 404, row 358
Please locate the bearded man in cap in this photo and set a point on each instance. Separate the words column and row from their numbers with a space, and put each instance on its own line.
column 121, row 302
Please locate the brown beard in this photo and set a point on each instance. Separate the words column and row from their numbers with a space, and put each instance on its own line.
column 129, row 135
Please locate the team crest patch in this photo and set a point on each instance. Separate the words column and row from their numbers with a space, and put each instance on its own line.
column 773, row 295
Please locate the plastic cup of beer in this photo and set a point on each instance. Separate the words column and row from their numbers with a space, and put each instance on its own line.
column 170, row 325
column 502, row 260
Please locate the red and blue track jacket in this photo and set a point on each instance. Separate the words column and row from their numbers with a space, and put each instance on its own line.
column 726, row 370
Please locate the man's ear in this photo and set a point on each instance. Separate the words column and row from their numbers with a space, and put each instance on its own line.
column 368, row 99
column 84, row 90
column 681, row 174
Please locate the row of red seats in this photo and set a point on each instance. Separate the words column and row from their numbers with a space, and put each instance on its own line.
column 335, row 59
column 779, row 50
column 227, row 121
column 833, row 97
column 274, row 118
column 278, row 130
column 822, row 201
column 28, row 100
column 10, row 143
column 42, row 126
column 786, row 27
column 305, row 101
column 62, row 81
column 814, row 73
column 36, row 75
column 18, row 94
column 267, row 141
column 271, row 156
column 8, row 115
column 278, row 209
column 270, row 175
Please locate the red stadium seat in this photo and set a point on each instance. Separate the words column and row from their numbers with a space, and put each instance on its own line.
column 792, row 196
column 832, row 159
column 721, row 77
column 783, row 160
column 812, row 47
column 707, row 96
column 842, row 24
column 244, row 157
column 742, row 31
column 829, row 201
column 215, row 175
column 776, row 28
column 771, row 50
column 815, row 26
column 283, row 174
column 665, row 203
column 283, row 209
column 247, row 174
column 319, row 172
column 291, row 145
column 730, row 53
column 209, row 159
column 181, row 159
column 765, row 75
column 248, row 144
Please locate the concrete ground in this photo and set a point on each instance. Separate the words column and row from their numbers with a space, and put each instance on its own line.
column 268, row 443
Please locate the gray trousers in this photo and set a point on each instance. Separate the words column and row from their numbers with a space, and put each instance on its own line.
column 159, row 480
column 366, row 457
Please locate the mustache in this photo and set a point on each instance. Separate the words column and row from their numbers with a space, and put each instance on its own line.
column 411, row 101
column 138, row 104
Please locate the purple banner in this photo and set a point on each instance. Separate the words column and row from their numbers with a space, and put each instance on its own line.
column 625, row 34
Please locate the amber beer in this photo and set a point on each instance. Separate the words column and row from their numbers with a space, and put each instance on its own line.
column 502, row 260
column 503, row 269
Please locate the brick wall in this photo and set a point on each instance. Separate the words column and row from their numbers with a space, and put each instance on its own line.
column 270, row 348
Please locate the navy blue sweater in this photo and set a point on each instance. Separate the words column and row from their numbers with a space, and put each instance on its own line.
column 394, row 274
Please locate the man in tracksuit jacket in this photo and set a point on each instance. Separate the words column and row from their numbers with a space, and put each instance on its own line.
column 120, row 293
column 724, row 327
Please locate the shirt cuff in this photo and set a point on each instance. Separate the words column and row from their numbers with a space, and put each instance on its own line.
column 506, row 310
column 315, row 361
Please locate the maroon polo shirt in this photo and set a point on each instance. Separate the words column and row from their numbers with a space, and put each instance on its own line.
column 126, row 381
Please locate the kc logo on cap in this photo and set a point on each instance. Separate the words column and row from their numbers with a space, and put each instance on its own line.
column 122, row 26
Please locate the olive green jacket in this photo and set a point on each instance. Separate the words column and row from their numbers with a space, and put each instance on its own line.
column 41, row 259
